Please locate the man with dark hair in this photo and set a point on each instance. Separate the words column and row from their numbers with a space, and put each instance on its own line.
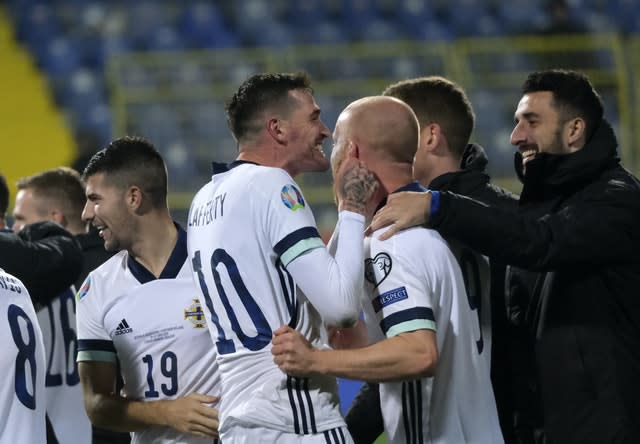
column 140, row 308
column 575, row 240
column 445, row 161
column 255, row 249
column 44, row 256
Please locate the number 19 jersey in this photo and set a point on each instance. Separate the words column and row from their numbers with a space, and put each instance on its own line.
column 245, row 227
column 156, row 329
column 22, row 363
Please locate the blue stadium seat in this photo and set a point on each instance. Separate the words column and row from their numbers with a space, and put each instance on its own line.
column 322, row 32
column 203, row 26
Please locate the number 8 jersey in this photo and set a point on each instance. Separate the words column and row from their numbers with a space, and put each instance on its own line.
column 156, row 329
column 22, row 363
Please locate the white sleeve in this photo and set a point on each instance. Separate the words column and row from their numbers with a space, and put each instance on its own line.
column 94, row 343
column 334, row 285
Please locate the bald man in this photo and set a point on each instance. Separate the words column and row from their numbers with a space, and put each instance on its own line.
column 434, row 387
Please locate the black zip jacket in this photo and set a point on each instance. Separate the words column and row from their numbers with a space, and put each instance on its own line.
column 576, row 234
column 44, row 256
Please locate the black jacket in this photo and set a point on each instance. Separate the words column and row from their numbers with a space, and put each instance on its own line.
column 93, row 254
column 44, row 256
column 576, row 234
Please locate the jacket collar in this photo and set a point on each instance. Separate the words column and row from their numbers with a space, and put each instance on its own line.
column 471, row 175
column 552, row 174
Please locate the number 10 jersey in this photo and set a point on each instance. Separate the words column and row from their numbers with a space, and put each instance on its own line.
column 245, row 227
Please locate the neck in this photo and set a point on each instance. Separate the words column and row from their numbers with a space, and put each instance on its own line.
column 439, row 165
column 154, row 245
column 391, row 177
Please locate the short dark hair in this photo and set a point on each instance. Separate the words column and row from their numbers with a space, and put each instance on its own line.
column 257, row 94
column 573, row 95
column 63, row 185
column 4, row 196
column 132, row 161
column 435, row 99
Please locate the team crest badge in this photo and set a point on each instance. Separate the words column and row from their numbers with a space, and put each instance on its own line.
column 195, row 315
column 292, row 198
column 381, row 262
column 84, row 289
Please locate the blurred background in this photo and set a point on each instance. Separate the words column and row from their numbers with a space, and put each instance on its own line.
column 76, row 73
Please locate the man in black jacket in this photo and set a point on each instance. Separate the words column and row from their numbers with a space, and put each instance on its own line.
column 44, row 256
column 576, row 237
column 446, row 121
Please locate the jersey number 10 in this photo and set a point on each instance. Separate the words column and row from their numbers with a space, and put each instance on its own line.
column 223, row 344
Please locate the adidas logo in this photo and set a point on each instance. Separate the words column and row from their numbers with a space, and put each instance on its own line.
column 123, row 328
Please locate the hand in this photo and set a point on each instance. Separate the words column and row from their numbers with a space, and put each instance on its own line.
column 403, row 210
column 354, row 185
column 292, row 352
column 190, row 414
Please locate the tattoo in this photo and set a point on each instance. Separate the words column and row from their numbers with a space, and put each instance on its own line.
column 357, row 186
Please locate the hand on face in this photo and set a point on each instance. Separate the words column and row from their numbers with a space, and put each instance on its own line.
column 354, row 185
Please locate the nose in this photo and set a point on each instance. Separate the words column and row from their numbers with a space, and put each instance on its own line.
column 517, row 135
column 325, row 130
column 87, row 212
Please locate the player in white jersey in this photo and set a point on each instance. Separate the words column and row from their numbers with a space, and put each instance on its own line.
column 22, row 362
column 141, row 309
column 53, row 195
column 253, row 241
column 434, row 388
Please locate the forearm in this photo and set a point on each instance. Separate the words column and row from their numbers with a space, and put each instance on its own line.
column 120, row 414
column 334, row 285
column 394, row 359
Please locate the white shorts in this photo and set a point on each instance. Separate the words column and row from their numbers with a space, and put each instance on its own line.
column 251, row 435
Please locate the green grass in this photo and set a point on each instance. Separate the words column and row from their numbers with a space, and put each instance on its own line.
column 382, row 439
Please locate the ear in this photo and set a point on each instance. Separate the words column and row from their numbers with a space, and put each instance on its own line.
column 134, row 198
column 431, row 136
column 276, row 129
column 353, row 150
column 57, row 216
column 575, row 131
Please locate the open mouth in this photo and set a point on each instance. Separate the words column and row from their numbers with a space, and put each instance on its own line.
column 528, row 153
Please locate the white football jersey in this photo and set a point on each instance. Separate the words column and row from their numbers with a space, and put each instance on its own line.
column 156, row 328
column 414, row 282
column 245, row 227
column 65, row 406
column 477, row 283
column 22, row 362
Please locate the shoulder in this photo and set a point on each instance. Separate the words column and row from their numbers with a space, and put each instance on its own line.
column 105, row 276
column 411, row 243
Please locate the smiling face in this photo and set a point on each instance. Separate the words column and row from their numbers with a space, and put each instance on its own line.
column 539, row 127
column 106, row 209
column 305, row 135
